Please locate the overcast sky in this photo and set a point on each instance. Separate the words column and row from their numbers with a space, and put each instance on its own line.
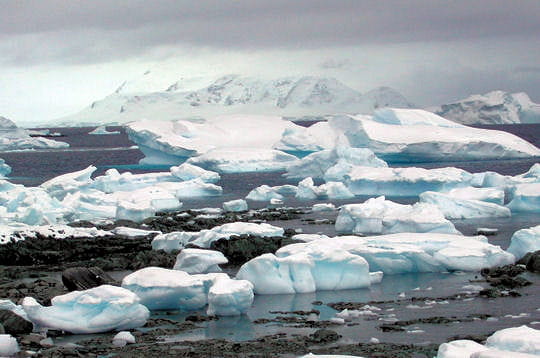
column 57, row 56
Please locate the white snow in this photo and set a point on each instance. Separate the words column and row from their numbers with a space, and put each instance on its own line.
column 100, row 309
column 524, row 241
column 199, row 261
column 459, row 208
column 177, row 240
column 411, row 252
column 381, row 216
column 238, row 205
column 229, row 297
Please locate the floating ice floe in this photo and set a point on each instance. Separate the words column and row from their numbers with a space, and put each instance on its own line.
column 243, row 160
column 381, row 216
column 489, row 195
column 173, row 142
column 238, row 205
column 199, row 261
column 4, row 168
column 102, row 130
column 204, row 238
column 266, row 193
column 229, row 297
column 405, row 181
column 332, row 163
column 14, row 138
column 411, row 252
column 100, row 309
column 459, row 208
column 525, row 197
column 518, row 342
column 8, row 345
column 307, row 271
column 411, row 135
column 188, row 171
column 524, row 241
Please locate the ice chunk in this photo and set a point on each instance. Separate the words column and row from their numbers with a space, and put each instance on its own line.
column 266, row 193
column 122, row 338
column 229, row 297
column 308, row 237
column 102, row 130
column 10, row 306
column 4, row 168
column 243, row 160
column 459, row 349
column 381, row 216
column 199, row 261
column 14, row 138
column 405, row 181
column 323, row 207
column 160, row 289
column 188, row 171
column 525, row 240
column 306, row 271
column 173, row 240
column 127, row 210
column 8, row 345
column 490, row 195
column 100, row 309
column 496, row 353
column 238, row 205
column 411, row 252
column 526, row 197
column 62, row 185
column 192, row 189
column 457, row 208
column 132, row 232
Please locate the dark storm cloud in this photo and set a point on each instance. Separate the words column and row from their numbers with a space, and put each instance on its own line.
column 101, row 30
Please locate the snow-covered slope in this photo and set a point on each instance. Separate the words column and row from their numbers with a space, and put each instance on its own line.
column 232, row 94
column 496, row 107
column 15, row 138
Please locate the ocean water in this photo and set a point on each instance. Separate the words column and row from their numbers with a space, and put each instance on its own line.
column 116, row 151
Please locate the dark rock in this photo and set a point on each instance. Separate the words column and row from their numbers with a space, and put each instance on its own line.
column 533, row 262
column 2, row 331
column 84, row 278
column 14, row 324
column 506, row 281
column 240, row 249
column 324, row 336
column 507, row 270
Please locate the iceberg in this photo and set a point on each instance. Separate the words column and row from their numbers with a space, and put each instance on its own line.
column 405, row 181
column 489, row 195
column 458, row 208
column 381, row 216
column 411, row 252
column 413, row 135
column 160, row 289
column 15, row 138
column 525, row 197
column 204, row 238
column 306, row 190
column 229, row 297
column 187, row 172
column 243, row 160
column 524, row 241
column 199, row 261
column 4, row 168
column 307, row 271
column 518, row 342
column 102, row 130
column 100, row 309
column 173, row 142
column 238, row 205
column 267, row 193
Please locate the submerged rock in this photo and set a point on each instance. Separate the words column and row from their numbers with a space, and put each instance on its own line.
column 83, row 278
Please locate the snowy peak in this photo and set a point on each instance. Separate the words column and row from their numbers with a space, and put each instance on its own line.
column 496, row 107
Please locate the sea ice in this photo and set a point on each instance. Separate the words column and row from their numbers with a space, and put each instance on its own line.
column 525, row 197
column 199, row 261
column 238, row 205
column 458, row 208
column 243, row 160
column 229, row 297
column 524, row 241
column 381, row 216
column 177, row 240
column 8, row 345
column 411, row 252
column 100, row 309
column 159, row 289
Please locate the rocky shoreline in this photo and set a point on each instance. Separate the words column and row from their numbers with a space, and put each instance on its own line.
column 37, row 267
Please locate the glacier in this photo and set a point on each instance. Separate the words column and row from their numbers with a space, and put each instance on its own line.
column 381, row 216
column 459, row 208
column 524, row 241
column 100, row 309
column 495, row 107
column 518, row 342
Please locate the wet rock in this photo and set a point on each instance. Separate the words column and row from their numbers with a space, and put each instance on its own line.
column 506, row 281
column 240, row 249
column 531, row 261
column 507, row 270
column 2, row 331
column 14, row 324
column 324, row 336
column 84, row 278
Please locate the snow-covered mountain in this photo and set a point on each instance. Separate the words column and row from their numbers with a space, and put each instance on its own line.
column 233, row 94
column 496, row 107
